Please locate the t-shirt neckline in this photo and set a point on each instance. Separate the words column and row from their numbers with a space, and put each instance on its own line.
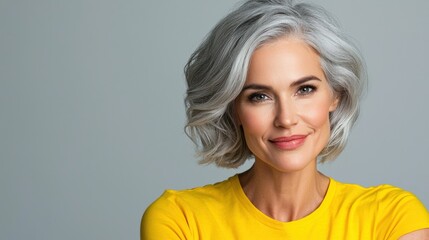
column 302, row 222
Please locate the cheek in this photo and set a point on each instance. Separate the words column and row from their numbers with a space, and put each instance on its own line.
column 254, row 120
column 317, row 115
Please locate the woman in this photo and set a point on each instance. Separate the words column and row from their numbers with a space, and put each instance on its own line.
column 279, row 82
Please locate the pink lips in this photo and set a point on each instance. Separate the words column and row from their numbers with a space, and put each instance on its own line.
column 290, row 142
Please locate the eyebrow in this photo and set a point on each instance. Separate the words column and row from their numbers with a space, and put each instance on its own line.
column 293, row 84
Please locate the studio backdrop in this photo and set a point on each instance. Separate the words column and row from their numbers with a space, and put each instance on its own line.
column 92, row 113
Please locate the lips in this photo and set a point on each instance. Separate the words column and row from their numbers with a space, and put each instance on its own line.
column 289, row 142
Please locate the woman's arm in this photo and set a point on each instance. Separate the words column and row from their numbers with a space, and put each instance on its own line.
column 422, row 234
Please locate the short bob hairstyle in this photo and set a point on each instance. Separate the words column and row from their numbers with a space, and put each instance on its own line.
column 216, row 73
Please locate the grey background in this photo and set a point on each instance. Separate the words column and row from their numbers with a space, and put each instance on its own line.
column 92, row 115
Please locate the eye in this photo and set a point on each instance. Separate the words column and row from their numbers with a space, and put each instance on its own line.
column 258, row 97
column 306, row 89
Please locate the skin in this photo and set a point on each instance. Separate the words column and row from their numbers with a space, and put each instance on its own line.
column 287, row 94
column 416, row 235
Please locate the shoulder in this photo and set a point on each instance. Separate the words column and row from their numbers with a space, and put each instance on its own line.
column 210, row 193
column 175, row 212
column 195, row 196
column 391, row 210
column 382, row 195
column 400, row 212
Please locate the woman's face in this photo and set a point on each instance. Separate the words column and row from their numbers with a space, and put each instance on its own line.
column 284, row 106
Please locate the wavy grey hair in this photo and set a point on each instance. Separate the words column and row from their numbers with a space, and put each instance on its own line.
column 216, row 73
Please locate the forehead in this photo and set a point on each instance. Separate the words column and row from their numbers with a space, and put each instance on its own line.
column 285, row 58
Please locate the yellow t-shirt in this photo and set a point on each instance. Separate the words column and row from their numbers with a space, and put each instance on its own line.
column 222, row 211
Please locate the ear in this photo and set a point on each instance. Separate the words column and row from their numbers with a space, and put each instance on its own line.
column 334, row 103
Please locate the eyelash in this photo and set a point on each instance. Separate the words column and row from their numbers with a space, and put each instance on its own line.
column 259, row 97
column 310, row 90
column 256, row 97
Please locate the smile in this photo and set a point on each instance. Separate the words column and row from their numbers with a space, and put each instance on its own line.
column 289, row 143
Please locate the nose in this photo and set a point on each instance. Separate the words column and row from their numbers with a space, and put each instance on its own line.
column 285, row 114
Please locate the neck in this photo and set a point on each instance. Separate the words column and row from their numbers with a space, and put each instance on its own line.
column 284, row 196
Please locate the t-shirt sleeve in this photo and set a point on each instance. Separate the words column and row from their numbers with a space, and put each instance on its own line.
column 400, row 213
column 164, row 219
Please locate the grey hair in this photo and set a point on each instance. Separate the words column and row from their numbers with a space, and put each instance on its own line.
column 216, row 73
